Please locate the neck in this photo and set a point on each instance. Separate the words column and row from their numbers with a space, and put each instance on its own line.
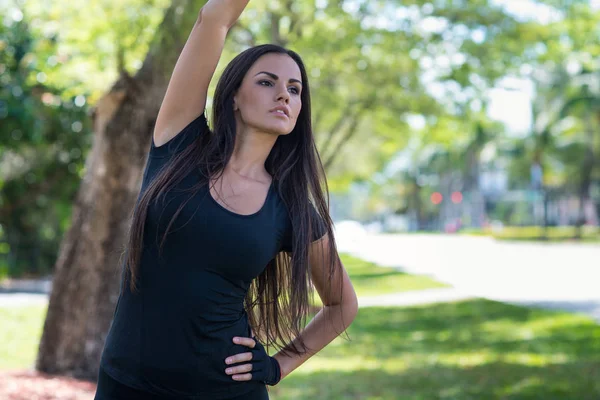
column 250, row 153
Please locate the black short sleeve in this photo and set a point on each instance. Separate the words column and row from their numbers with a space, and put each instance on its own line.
column 182, row 140
column 318, row 230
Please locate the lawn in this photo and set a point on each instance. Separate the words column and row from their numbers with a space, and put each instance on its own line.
column 475, row 349
column 536, row 233
column 20, row 333
column 371, row 279
column 22, row 326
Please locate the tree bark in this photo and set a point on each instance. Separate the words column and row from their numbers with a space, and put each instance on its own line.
column 88, row 269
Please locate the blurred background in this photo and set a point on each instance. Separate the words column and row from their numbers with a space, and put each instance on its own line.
column 461, row 141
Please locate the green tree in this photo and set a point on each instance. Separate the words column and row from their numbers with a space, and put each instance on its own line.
column 42, row 142
column 368, row 73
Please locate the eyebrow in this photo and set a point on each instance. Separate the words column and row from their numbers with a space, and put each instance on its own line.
column 272, row 75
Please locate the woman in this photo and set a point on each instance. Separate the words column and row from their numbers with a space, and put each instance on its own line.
column 229, row 233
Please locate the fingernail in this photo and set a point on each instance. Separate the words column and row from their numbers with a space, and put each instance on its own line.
column 236, row 340
column 228, row 370
column 228, row 361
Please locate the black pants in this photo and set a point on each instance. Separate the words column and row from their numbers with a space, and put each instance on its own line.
column 110, row 389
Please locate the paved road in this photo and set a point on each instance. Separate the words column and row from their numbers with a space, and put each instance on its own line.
column 563, row 276
column 22, row 299
column 394, row 299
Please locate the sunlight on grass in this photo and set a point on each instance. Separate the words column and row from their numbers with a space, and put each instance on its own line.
column 461, row 350
column 22, row 326
column 371, row 279
column 536, row 233
column 20, row 334
column 475, row 349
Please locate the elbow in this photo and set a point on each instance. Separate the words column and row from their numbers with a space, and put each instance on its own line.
column 350, row 309
column 347, row 309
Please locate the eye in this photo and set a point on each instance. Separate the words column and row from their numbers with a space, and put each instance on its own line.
column 268, row 83
column 294, row 90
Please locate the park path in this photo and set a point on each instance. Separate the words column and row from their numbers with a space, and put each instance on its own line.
column 563, row 276
column 429, row 296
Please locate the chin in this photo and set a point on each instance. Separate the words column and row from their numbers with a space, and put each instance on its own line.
column 286, row 131
column 278, row 129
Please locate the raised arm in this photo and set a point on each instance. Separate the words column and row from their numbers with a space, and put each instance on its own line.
column 185, row 98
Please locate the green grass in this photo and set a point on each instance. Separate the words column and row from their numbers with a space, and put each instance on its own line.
column 20, row 332
column 22, row 326
column 468, row 350
column 536, row 233
column 370, row 279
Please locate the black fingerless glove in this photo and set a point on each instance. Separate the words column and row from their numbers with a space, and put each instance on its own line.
column 265, row 368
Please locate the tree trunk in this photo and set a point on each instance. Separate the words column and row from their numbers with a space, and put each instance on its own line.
column 88, row 269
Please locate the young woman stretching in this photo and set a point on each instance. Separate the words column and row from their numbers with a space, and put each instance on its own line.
column 229, row 234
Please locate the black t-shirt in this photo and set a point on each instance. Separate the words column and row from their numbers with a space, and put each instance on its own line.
column 172, row 337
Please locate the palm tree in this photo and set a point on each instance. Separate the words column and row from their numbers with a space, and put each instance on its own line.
column 584, row 103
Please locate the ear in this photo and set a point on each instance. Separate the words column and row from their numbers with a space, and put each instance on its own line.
column 235, row 106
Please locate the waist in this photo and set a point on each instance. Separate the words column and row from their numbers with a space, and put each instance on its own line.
column 177, row 359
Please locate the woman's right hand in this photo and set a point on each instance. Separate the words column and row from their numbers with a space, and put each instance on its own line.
column 223, row 12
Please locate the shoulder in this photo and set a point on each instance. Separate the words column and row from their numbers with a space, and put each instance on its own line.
column 186, row 136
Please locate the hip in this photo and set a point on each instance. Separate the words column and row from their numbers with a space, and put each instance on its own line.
column 109, row 388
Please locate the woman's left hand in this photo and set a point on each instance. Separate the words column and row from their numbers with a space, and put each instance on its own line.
column 262, row 367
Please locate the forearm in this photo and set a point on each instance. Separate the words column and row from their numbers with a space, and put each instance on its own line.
column 318, row 333
column 222, row 12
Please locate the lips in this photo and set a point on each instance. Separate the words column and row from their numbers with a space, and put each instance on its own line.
column 280, row 109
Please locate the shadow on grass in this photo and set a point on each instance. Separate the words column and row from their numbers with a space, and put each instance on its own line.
column 475, row 349
column 507, row 381
column 370, row 279
column 477, row 325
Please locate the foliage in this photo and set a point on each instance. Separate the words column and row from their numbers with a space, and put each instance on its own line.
column 387, row 77
column 44, row 137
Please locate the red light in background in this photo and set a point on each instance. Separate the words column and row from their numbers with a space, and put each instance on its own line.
column 457, row 197
column 436, row 198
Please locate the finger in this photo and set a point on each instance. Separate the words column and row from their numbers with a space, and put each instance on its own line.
column 244, row 341
column 240, row 369
column 238, row 358
column 243, row 377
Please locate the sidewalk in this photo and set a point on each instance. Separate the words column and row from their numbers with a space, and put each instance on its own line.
column 403, row 299
column 34, row 292
column 41, row 286
column 557, row 276
column 24, row 293
column 413, row 298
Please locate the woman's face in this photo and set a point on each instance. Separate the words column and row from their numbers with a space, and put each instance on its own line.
column 268, row 99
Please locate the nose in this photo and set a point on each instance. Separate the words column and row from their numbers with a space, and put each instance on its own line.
column 283, row 95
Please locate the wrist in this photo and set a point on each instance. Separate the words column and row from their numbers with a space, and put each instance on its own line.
column 276, row 372
column 282, row 371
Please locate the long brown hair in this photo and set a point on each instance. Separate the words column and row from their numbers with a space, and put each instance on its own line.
column 279, row 300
